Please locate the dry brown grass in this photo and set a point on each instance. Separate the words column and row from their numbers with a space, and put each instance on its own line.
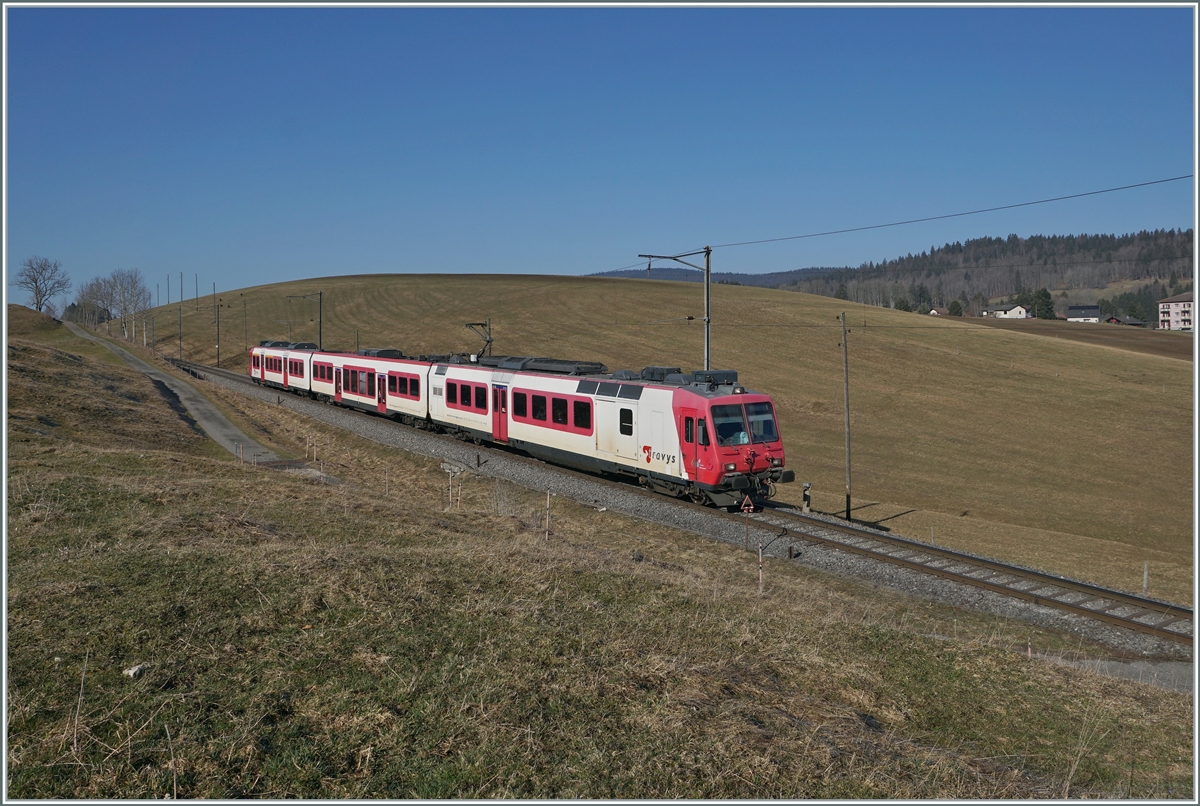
column 313, row 640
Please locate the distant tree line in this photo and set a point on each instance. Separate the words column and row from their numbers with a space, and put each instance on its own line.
column 120, row 297
column 976, row 271
column 1143, row 303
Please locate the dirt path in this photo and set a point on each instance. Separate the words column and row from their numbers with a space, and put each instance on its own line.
column 206, row 415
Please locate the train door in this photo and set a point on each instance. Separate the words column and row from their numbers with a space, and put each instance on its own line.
column 615, row 428
column 381, row 385
column 500, row 413
column 337, row 384
column 286, row 362
column 688, row 441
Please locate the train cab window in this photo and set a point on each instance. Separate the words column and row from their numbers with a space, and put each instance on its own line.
column 730, row 426
column 451, row 392
column 762, row 422
column 481, row 397
column 702, row 432
column 519, row 409
column 558, row 410
column 627, row 422
column 539, row 407
column 689, row 429
column 583, row 414
column 414, row 387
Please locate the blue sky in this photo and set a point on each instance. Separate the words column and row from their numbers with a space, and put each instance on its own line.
column 255, row 145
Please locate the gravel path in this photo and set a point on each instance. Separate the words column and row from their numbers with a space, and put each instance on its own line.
column 1174, row 660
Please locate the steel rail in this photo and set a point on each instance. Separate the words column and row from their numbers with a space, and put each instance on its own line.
column 1039, row 584
column 1168, row 614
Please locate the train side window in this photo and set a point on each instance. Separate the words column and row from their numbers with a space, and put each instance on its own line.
column 539, row 407
column 583, row 414
column 371, row 384
column 558, row 410
column 627, row 422
column 689, row 429
column 391, row 385
column 451, row 392
column 519, row 409
column 702, row 437
column 481, row 397
column 414, row 387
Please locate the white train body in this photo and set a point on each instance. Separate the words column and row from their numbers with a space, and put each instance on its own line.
column 700, row 435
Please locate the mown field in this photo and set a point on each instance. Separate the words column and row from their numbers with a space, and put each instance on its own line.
column 300, row 639
column 1071, row 457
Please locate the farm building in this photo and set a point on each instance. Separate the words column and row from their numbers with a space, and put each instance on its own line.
column 1083, row 313
column 1125, row 320
column 1007, row 312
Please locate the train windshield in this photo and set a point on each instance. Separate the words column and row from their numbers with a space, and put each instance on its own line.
column 730, row 426
column 762, row 422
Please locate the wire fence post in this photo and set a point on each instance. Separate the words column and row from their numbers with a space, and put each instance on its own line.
column 547, row 515
column 760, row 568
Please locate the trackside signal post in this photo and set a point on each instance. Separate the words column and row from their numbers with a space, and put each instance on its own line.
column 707, row 269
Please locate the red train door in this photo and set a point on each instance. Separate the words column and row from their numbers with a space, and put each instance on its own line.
column 500, row 413
column 688, row 441
column 285, row 373
column 381, row 385
column 337, row 384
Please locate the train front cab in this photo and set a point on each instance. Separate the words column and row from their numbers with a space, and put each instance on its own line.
column 733, row 447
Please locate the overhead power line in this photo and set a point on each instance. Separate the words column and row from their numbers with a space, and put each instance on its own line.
column 954, row 215
column 938, row 217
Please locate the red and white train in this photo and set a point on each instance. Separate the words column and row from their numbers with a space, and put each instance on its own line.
column 699, row 435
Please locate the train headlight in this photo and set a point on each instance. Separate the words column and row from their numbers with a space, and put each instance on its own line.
column 729, row 468
column 776, row 462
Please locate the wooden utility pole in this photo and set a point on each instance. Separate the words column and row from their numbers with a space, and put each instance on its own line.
column 846, row 388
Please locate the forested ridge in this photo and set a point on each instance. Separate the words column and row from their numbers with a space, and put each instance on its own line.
column 975, row 272
column 982, row 269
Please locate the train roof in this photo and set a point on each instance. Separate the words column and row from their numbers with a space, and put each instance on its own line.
column 706, row 382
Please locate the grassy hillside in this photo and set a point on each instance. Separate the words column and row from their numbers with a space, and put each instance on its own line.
column 1074, row 457
column 306, row 640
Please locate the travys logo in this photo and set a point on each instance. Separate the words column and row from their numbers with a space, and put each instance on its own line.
column 652, row 455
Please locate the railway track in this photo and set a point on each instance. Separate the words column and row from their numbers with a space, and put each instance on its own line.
column 1141, row 614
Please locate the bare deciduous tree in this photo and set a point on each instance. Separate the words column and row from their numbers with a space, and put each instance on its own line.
column 43, row 279
column 130, row 298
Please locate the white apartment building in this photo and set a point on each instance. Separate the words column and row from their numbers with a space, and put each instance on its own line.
column 1175, row 313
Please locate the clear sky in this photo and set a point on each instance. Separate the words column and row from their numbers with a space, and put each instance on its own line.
column 255, row 145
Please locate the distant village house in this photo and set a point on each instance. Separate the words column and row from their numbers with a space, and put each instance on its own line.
column 1084, row 313
column 1175, row 313
column 940, row 312
column 1125, row 320
column 1007, row 312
